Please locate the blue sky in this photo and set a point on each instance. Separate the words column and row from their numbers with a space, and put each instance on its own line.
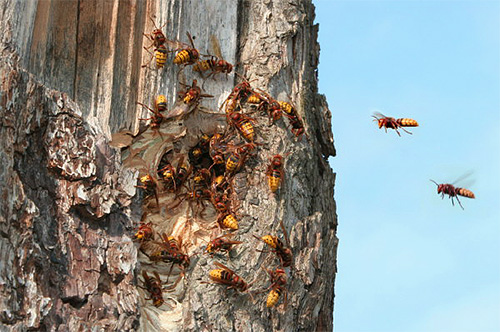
column 407, row 260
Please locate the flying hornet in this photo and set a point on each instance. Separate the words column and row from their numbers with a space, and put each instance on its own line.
column 392, row 123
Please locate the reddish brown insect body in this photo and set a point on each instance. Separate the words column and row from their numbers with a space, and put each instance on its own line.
column 167, row 174
column 238, row 158
column 453, row 192
column 158, row 40
column 171, row 252
column 144, row 232
column 171, row 242
column 228, row 277
column 278, row 277
column 268, row 105
column 294, row 118
column 243, row 124
column 216, row 64
column 241, row 92
column 297, row 126
column 283, row 252
column 275, row 173
column 187, row 54
column 157, row 36
column 220, row 201
column 392, row 123
column 222, row 66
column 197, row 195
column 278, row 284
column 222, row 243
column 216, row 150
column 154, row 287
column 160, row 106
column 274, row 111
column 193, row 94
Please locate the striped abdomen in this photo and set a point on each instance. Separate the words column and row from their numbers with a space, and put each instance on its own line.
column 407, row 122
column 221, row 275
column 273, row 297
column 172, row 242
column 161, row 103
column 231, row 103
column 230, row 222
column 465, row 192
column 254, row 99
column 274, row 180
column 204, row 65
column 232, row 163
column 246, row 129
column 187, row 56
column 271, row 241
column 287, row 108
column 161, row 56
column 158, row 300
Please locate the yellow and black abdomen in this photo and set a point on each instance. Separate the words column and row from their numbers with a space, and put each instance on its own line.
column 161, row 102
column 232, row 163
column 220, row 275
column 203, row 65
column 161, row 56
column 181, row 57
column 246, row 129
column 253, row 99
column 274, row 180
column 215, row 274
column 186, row 56
column 273, row 297
column 231, row 104
column 287, row 108
column 407, row 122
column 270, row 240
column 230, row 222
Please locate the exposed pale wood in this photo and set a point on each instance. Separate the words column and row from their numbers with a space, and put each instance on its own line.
column 71, row 75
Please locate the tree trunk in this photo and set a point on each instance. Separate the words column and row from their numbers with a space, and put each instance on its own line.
column 71, row 77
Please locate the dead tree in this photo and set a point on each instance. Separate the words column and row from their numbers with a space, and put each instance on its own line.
column 71, row 75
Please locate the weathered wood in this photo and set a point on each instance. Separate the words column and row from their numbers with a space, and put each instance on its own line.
column 71, row 75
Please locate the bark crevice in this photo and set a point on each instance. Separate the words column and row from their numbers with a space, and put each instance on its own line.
column 71, row 75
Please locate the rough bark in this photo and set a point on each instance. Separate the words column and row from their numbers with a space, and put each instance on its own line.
column 71, row 76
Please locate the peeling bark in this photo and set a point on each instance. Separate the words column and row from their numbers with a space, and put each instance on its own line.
column 71, row 75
